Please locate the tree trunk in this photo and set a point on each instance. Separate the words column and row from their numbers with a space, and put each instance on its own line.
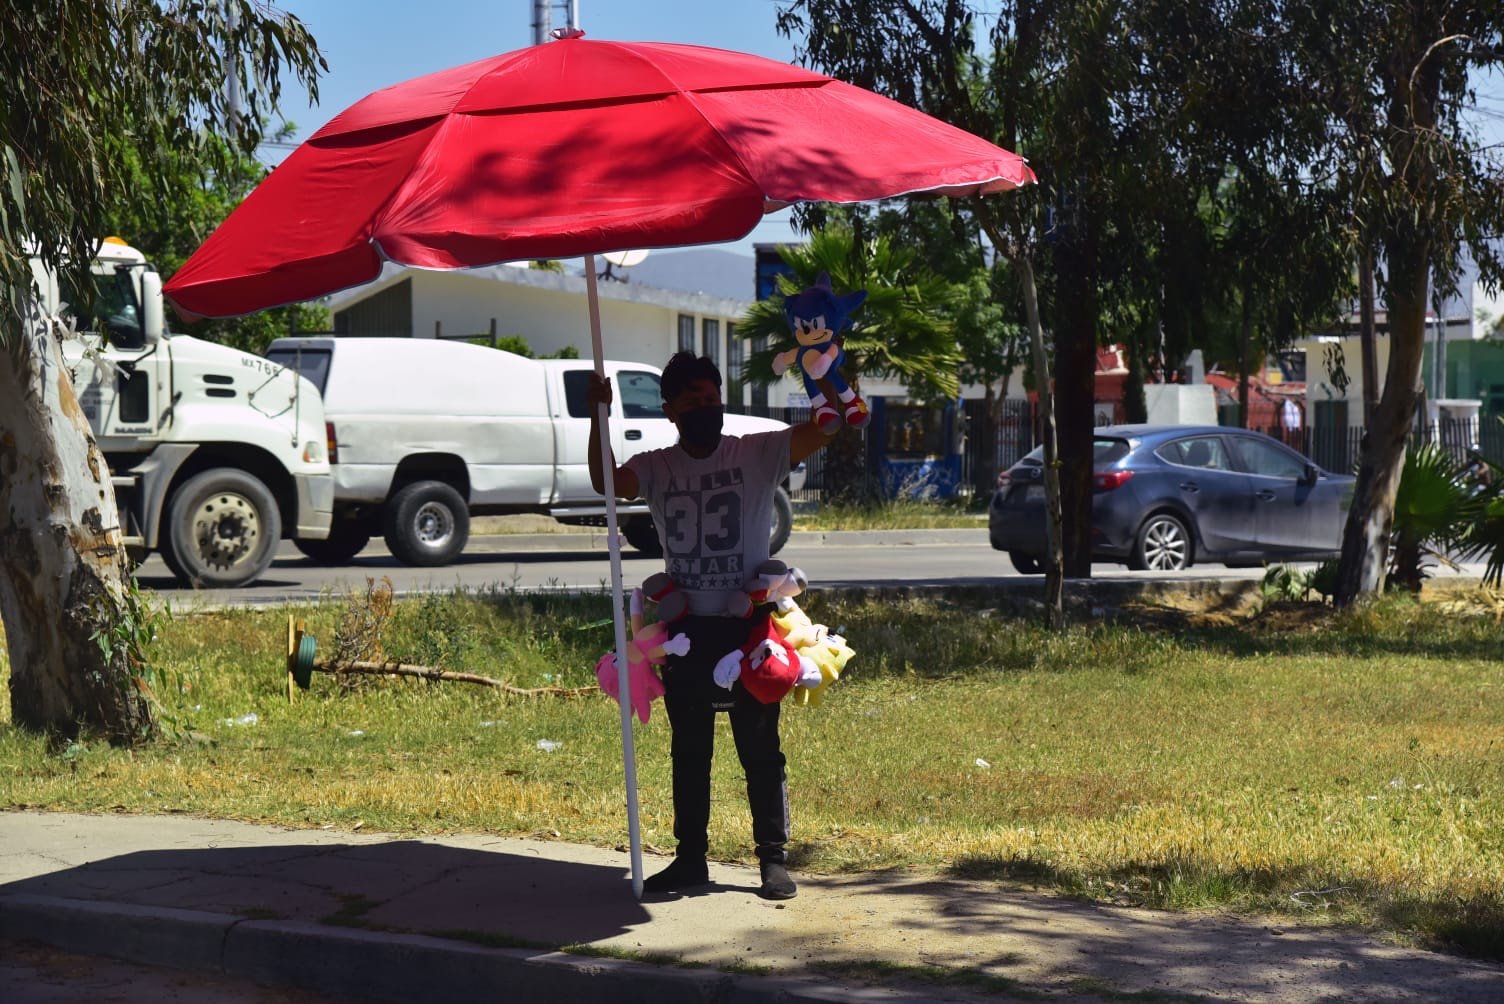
column 1076, row 391
column 1054, row 566
column 1417, row 203
column 1366, row 331
column 1370, row 519
column 63, row 580
column 1245, row 345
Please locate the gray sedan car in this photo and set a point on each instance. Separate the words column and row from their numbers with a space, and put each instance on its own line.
column 1166, row 496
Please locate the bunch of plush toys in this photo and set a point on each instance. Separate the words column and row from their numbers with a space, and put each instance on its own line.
column 816, row 316
column 650, row 646
column 786, row 654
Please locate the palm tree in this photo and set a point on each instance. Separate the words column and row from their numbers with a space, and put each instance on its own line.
column 902, row 331
column 1438, row 511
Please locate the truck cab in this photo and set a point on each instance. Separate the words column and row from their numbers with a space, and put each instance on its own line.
column 215, row 455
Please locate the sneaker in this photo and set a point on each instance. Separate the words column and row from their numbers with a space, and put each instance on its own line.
column 776, row 883
column 826, row 418
column 682, row 873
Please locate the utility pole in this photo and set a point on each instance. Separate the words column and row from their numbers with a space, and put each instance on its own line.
column 543, row 11
column 543, row 18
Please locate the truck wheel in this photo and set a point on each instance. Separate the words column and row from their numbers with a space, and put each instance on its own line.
column 643, row 535
column 223, row 527
column 347, row 538
column 783, row 521
column 427, row 523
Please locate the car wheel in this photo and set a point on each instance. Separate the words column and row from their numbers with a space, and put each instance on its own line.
column 223, row 527
column 427, row 523
column 643, row 535
column 1026, row 564
column 1163, row 545
column 347, row 538
column 783, row 521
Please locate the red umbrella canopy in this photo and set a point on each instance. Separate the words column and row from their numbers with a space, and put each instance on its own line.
column 571, row 148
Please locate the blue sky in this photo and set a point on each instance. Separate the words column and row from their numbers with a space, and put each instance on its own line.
column 371, row 44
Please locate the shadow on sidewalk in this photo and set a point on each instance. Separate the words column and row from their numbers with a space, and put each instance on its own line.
column 493, row 898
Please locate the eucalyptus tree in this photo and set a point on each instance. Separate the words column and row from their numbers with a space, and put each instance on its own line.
column 1394, row 81
column 902, row 330
column 105, row 102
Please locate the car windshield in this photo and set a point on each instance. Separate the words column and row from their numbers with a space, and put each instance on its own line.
column 311, row 363
column 112, row 306
column 1105, row 450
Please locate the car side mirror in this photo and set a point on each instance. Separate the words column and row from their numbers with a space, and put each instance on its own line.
column 1310, row 475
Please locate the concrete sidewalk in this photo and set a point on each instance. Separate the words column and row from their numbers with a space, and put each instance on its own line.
column 395, row 918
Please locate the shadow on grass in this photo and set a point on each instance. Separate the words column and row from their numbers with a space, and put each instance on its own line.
column 1472, row 927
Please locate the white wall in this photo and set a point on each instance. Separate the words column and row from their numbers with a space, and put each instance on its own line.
column 1180, row 403
column 549, row 320
column 638, row 324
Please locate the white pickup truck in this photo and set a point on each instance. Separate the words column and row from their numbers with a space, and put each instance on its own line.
column 423, row 434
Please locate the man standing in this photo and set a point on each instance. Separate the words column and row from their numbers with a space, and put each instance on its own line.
column 711, row 497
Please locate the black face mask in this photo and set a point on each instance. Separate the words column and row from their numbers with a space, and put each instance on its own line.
column 701, row 427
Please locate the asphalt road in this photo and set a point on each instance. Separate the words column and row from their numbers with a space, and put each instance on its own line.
column 579, row 562
column 36, row 974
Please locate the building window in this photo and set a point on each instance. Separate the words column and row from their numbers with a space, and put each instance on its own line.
column 736, row 377
column 736, row 355
column 712, row 341
column 759, row 389
column 686, row 333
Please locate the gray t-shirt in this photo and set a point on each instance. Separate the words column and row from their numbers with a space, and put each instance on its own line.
column 714, row 514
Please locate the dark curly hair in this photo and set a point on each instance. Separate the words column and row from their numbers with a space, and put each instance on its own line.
column 685, row 368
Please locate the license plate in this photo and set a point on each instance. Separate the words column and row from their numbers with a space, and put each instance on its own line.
column 1034, row 493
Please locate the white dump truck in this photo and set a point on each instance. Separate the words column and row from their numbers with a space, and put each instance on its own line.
column 423, row 434
column 216, row 455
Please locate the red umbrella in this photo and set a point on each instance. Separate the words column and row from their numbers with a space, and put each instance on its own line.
column 568, row 149
column 571, row 148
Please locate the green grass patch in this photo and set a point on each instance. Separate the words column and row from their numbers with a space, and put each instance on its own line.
column 898, row 514
column 887, row 974
column 1300, row 763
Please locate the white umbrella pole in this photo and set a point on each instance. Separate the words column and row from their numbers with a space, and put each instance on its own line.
column 628, row 754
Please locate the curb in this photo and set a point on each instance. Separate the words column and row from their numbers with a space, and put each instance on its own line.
column 596, row 539
column 384, row 966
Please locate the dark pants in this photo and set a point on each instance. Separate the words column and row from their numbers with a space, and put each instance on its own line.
column 692, row 699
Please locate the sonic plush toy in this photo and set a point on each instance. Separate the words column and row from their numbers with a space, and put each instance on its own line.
column 815, row 316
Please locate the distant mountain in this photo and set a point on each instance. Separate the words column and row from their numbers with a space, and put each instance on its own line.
column 698, row 270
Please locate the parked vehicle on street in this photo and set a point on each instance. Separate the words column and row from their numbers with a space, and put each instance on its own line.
column 215, row 454
column 1167, row 496
column 423, row 434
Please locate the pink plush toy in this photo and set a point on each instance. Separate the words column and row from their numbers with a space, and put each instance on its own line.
column 650, row 646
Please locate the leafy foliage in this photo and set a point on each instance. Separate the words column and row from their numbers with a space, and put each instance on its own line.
column 903, row 329
column 1436, row 511
column 168, row 231
column 125, row 637
column 116, row 102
